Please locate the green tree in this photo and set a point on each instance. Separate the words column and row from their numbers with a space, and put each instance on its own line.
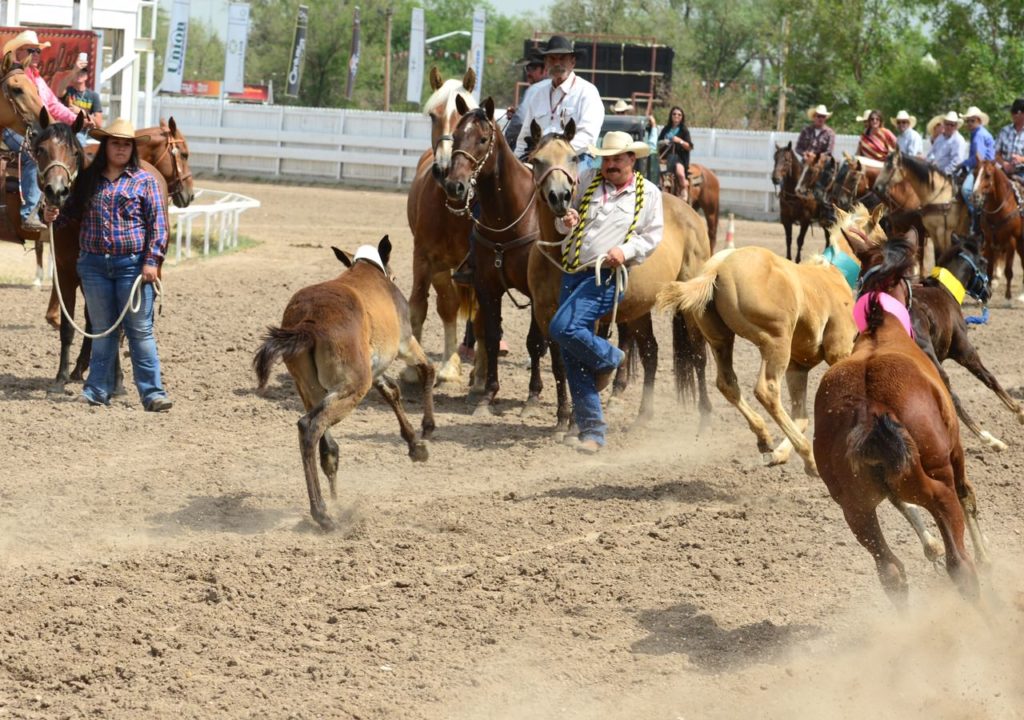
column 204, row 56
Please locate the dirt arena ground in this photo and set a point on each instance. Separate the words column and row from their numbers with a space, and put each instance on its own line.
column 165, row 566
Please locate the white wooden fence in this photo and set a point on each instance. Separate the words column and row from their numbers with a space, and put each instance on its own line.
column 377, row 148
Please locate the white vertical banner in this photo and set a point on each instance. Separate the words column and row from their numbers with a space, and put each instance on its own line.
column 414, row 91
column 476, row 50
column 177, row 44
column 237, row 38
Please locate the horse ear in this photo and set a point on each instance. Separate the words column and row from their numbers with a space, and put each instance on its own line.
column 911, row 237
column 789, row 145
column 5, row 66
column 435, row 78
column 79, row 122
column 535, row 132
column 172, row 126
column 460, row 105
column 489, row 107
column 469, row 80
column 878, row 213
column 344, row 257
column 384, row 250
column 44, row 118
column 570, row 130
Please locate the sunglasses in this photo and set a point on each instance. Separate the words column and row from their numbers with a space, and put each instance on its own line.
column 34, row 51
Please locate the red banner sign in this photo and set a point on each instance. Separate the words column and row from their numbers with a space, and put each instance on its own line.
column 211, row 89
column 58, row 62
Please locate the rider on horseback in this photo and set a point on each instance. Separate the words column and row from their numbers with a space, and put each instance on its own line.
column 983, row 146
column 1010, row 143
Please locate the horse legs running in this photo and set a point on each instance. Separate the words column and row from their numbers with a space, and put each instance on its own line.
column 329, row 411
column 536, row 345
column 944, row 504
column 391, row 392
column 864, row 524
column 931, row 545
column 796, row 383
column 969, row 504
column 800, row 239
column 775, row 356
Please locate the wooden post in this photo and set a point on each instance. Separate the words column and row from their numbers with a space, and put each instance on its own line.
column 387, row 59
column 780, row 113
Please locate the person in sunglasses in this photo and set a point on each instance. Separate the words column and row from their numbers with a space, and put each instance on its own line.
column 26, row 50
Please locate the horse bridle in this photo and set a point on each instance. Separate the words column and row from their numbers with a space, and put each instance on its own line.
column 845, row 193
column 979, row 281
column 172, row 148
column 478, row 166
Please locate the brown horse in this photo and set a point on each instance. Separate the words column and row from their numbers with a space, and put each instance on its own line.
column 793, row 208
column 440, row 239
column 683, row 250
column 885, row 427
column 796, row 315
column 484, row 169
column 942, row 210
column 704, row 191
column 337, row 338
column 1001, row 221
column 941, row 331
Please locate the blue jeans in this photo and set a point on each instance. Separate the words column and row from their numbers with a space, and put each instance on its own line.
column 966, row 189
column 29, row 172
column 581, row 304
column 106, row 283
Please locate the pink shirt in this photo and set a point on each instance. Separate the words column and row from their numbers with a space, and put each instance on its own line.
column 58, row 110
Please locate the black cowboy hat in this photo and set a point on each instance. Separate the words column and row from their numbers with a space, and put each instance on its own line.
column 534, row 57
column 1018, row 106
column 560, row 45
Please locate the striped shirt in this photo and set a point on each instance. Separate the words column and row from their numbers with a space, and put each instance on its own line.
column 1010, row 142
column 125, row 217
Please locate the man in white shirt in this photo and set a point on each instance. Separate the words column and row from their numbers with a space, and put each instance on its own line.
column 563, row 95
column 908, row 139
column 949, row 149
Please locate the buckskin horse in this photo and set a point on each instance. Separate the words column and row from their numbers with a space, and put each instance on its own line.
column 885, row 428
column 440, row 239
column 683, row 250
column 796, row 315
column 1000, row 205
column 337, row 338
column 793, row 208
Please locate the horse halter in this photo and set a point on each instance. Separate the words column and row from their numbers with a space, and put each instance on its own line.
column 478, row 166
column 172, row 148
column 979, row 282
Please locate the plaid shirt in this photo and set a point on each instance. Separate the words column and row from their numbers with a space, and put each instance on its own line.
column 126, row 217
column 1010, row 142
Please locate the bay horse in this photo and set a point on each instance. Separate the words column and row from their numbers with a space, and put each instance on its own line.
column 440, row 239
column 793, row 208
column 683, row 250
column 704, row 192
column 942, row 211
column 885, row 428
column 941, row 331
column 484, row 169
column 796, row 315
column 1001, row 222
column 337, row 338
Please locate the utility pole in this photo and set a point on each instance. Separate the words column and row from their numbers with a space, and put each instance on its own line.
column 387, row 58
column 353, row 61
column 780, row 119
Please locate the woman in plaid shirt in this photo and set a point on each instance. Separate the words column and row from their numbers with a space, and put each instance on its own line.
column 123, row 234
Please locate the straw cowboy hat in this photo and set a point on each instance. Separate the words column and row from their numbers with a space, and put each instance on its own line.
column 974, row 112
column 819, row 110
column 932, row 124
column 954, row 117
column 865, row 116
column 621, row 106
column 902, row 115
column 26, row 38
column 616, row 143
column 120, row 128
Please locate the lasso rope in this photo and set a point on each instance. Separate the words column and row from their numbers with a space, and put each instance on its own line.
column 134, row 297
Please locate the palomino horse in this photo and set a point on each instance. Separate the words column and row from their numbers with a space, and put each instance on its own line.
column 683, row 250
column 704, row 191
column 796, row 315
column 942, row 210
column 484, row 169
column 1001, row 220
column 337, row 338
column 793, row 208
column 885, row 427
column 440, row 239
column 941, row 331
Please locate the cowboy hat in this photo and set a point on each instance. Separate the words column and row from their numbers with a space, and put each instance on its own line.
column 533, row 57
column 865, row 116
column 819, row 110
column 902, row 115
column 559, row 45
column 26, row 38
column 1018, row 106
column 621, row 106
column 954, row 117
column 974, row 112
column 616, row 143
column 933, row 123
column 120, row 128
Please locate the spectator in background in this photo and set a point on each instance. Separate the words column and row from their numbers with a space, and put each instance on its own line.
column 674, row 145
column 949, row 149
column 1010, row 143
column 534, row 72
column 877, row 141
column 983, row 146
column 79, row 97
column 817, row 138
column 650, row 136
column 908, row 140
column 934, row 128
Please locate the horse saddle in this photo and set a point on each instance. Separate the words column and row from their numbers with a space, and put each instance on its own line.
column 696, row 176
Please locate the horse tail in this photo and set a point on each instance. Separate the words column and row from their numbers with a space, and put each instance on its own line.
column 689, row 355
column 467, row 301
column 693, row 295
column 880, row 447
column 281, row 343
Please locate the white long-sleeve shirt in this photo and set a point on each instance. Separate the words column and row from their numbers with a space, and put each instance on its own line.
column 609, row 216
column 948, row 153
column 553, row 107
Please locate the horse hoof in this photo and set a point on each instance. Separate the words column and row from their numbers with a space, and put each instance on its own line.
column 811, row 469
column 483, row 410
column 531, row 408
column 325, row 523
column 450, row 372
column 992, row 442
column 55, row 389
column 418, row 451
column 37, row 284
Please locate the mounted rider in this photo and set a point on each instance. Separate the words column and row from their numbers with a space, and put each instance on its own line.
column 983, row 146
column 26, row 50
column 1010, row 143
column 949, row 149
column 817, row 138
column 908, row 139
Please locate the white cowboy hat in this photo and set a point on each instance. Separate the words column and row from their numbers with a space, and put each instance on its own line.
column 953, row 116
column 933, row 123
column 819, row 110
column 902, row 115
column 865, row 116
column 120, row 128
column 621, row 106
column 26, row 38
column 974, row 112
column 616, row 143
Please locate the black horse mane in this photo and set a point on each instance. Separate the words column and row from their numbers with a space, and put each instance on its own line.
column 899, row 259
column 918, row 168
